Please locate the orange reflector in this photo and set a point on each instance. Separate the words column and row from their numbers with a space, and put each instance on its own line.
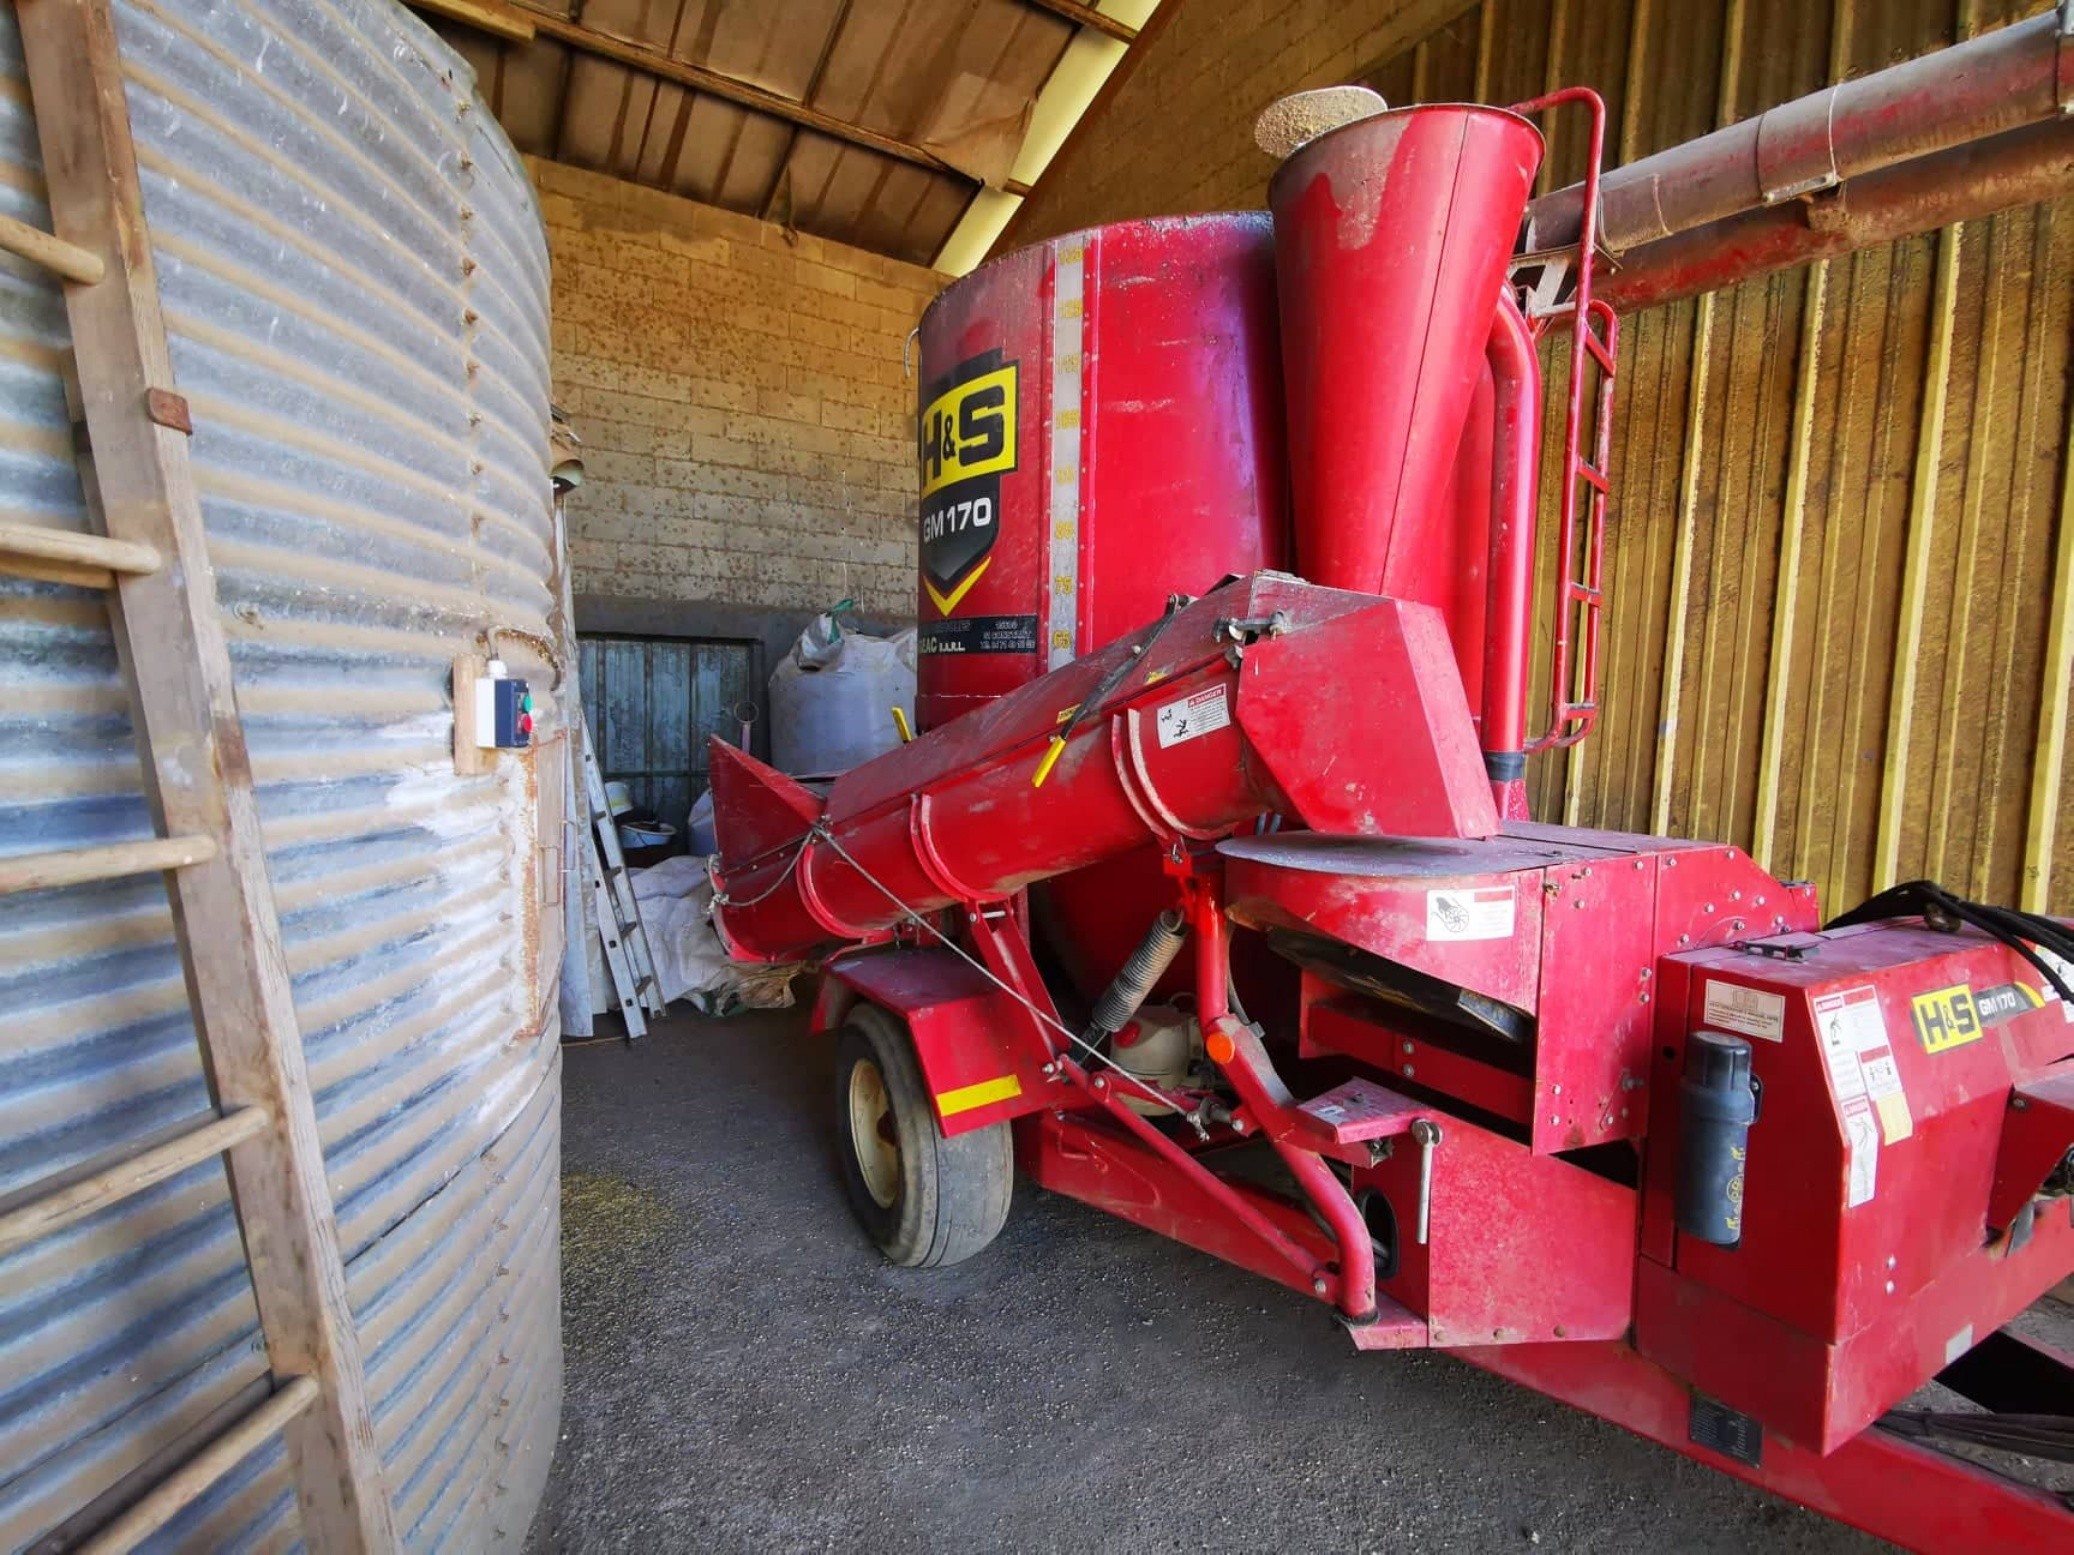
column 1220, row 1047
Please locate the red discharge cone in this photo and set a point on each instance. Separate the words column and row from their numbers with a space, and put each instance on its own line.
column 1392, row 236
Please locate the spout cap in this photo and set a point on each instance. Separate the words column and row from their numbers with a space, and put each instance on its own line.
column 1288, row 124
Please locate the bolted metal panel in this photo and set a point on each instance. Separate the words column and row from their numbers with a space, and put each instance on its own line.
column 355, row 285
column 1841, row 574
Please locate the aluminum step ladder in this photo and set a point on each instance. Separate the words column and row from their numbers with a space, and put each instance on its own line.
column 151, row 557
column 624, row 935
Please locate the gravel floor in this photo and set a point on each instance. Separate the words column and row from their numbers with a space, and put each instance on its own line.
column 745, row 1373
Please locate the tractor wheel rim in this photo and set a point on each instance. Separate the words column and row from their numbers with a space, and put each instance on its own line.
column 874, row 1140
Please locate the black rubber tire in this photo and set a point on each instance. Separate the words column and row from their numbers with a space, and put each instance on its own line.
column 953, row 1194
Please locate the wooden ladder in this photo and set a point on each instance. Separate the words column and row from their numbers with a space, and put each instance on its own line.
column 152, row 558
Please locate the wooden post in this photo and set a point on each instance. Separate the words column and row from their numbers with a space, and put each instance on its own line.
column 468, row 756
column 197, row 773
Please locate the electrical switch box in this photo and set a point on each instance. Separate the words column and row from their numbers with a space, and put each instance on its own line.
column 503, row 710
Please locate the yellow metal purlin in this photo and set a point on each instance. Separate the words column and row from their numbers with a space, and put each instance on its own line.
column 1689, row 480
column 1793, row 529
column 1626, row 149
column 1954, row 702
column 1551, row 78
column 1786, row 587
column 1487, row 49
column 1915, row 567
column 2048, row 766
column 2000, row 711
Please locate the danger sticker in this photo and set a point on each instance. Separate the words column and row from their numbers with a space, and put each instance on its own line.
column 1487, row 912
column 1749, row 1011
column 2049, row 994
column 1859, row 1057
column 1194, row 716
column 1862, row 1141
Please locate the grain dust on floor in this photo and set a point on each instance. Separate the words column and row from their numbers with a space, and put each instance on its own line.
column 745, row 1372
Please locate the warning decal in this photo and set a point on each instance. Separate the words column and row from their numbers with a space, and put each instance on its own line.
column 1862, row 1140
column 1203, row 713
column 1860, row 1059
column 2050, row 994
column 1749, row 1011
column 1487, row 912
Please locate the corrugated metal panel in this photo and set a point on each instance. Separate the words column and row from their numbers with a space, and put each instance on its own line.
column 355, row 282
column 1842, row 557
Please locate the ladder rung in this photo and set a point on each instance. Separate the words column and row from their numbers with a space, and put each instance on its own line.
column 66, row 260
column 77, row 866
column 68, row 556
column 1585, row 594
column 50, row 1212
column 186, row 1484
column 1592, row 474
column 1597, row 348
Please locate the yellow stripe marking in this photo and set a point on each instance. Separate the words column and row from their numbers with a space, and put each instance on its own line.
column 967, row 1097
column 949, row 602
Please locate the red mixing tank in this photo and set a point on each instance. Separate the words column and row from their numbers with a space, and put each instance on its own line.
column 1100, row 425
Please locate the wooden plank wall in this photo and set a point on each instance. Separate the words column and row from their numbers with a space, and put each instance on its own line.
column 653, row 702
column 1842, row 555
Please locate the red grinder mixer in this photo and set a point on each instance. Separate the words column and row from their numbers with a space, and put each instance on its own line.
column 1210, row 895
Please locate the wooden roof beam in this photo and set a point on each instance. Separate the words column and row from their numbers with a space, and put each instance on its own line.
column 1087, row 16
column 502, row 21
column 662, row 66
column 491, row 16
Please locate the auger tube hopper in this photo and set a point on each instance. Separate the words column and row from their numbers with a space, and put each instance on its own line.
column 1270, row 695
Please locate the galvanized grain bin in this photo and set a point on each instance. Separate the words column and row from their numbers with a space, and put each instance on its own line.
column 355, row 281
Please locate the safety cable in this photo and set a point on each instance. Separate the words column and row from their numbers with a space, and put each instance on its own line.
column 722, row 899
column 1941, row 909
column 1092, row 702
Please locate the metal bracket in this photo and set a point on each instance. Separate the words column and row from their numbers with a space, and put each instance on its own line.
column 1426, row 1134
column 1239, row 633
column 169, row 410
column 1544, row 282
column 1785, row 176
column 2064, row 74
column 1797, row 947
column 1828, row 209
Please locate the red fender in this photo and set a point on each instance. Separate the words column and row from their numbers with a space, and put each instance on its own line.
column 966, row 1031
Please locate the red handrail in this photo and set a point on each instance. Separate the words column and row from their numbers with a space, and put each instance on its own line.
column 1579, row 581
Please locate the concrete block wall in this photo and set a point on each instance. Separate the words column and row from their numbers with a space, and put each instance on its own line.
column 1177, row 135
column 746, row 422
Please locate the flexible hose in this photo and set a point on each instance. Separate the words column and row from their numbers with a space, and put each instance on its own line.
column 2020, row 931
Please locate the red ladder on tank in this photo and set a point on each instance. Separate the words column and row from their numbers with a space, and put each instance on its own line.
column 1581, row 533
column 1580, row 556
